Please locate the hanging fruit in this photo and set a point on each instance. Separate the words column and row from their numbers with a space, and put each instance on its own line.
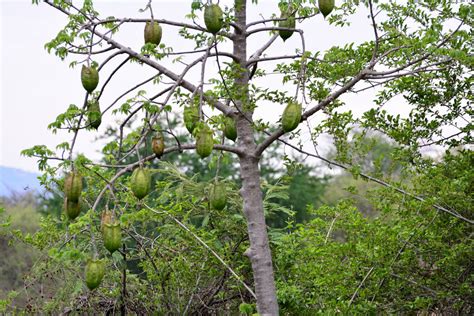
column 140, row 182
column 152, row 33
column 230, row 130
column 71, row 208
column 89, row 78
column 93, row 114
column 94, row 273
column 191, row 117
column 106, row 218
column 218, row 196
column 213, row 18
column 204, row 141
column 326, row 7
column 291, row 116
column 73, row 186
column 158, row 144
column 112, row 236
column 288, row 23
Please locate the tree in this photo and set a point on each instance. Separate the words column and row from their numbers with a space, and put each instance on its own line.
column 413, row 53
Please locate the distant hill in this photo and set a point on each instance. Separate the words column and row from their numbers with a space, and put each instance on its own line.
column 17, row 180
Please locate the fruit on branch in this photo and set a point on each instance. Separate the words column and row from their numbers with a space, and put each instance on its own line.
column 213, row 18
column 230, row 130
column 288, row 23
column 105, row 218
column 140, row 182
column 326, row 7
column 291, row 116
column 93, row 114
column 191, row 117
column 73, row 186
column 204, row 141
column 158, row 144
column 112, row 235
column 152, row 33
column 94, row 273
column 71, row 208
column 218, row 196
column 89, row 78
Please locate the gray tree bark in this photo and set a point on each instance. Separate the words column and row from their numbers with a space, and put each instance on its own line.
column 259, row 252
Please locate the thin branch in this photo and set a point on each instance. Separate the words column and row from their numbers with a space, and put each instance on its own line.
column 206, row 246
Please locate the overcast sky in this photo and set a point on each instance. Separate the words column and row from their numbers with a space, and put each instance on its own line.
column 37, row 86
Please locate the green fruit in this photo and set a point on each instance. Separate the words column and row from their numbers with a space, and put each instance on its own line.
column 213, row 18
column 105, row 218
column 288, row 23
column 191, row 117
column 218, row 196
column 230, row 130
column 93, row 114
column 140, row 182
column 89, row 78
column 204, row 142
column 152, row 33
column 158, row 144
column 112, row 235
column 73, row 186
column 94, row 273
column 72, row 209
column 326, row 6
column 291, row 117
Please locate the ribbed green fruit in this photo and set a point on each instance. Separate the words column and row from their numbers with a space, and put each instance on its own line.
column 140, row 182
column 158, row 144
column 291, row 116
column 71, row 208
column 218, row 196
column 288, row 23
column 94, row 273
column 112, row 236
column 230, row 130
column 105, row 218
column 152, row 33
column 204, row 142
column 213, row 18
column 93, row 114
column 89, row 78
column 73, row 186
column 326, row 7
column 191, row 117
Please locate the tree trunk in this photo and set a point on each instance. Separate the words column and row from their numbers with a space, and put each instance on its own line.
column 259, row 252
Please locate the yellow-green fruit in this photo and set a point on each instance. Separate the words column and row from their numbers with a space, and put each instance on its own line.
column 94, row 273
column 191, row 117
column 93, row 114
column 89, row 78
column 71, row 208
column 288, row 23
column 218, row 196
column 140, row 182
column 152, row 33
column 204, row 142
column 291, row 116
column 73, row 186
column 230, row 130
column 213, row 18
column 158, row 144
column 105, row 218
column 326, row 6
column 112, row 236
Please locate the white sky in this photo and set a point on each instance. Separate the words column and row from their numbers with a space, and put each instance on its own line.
column 37, row 86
